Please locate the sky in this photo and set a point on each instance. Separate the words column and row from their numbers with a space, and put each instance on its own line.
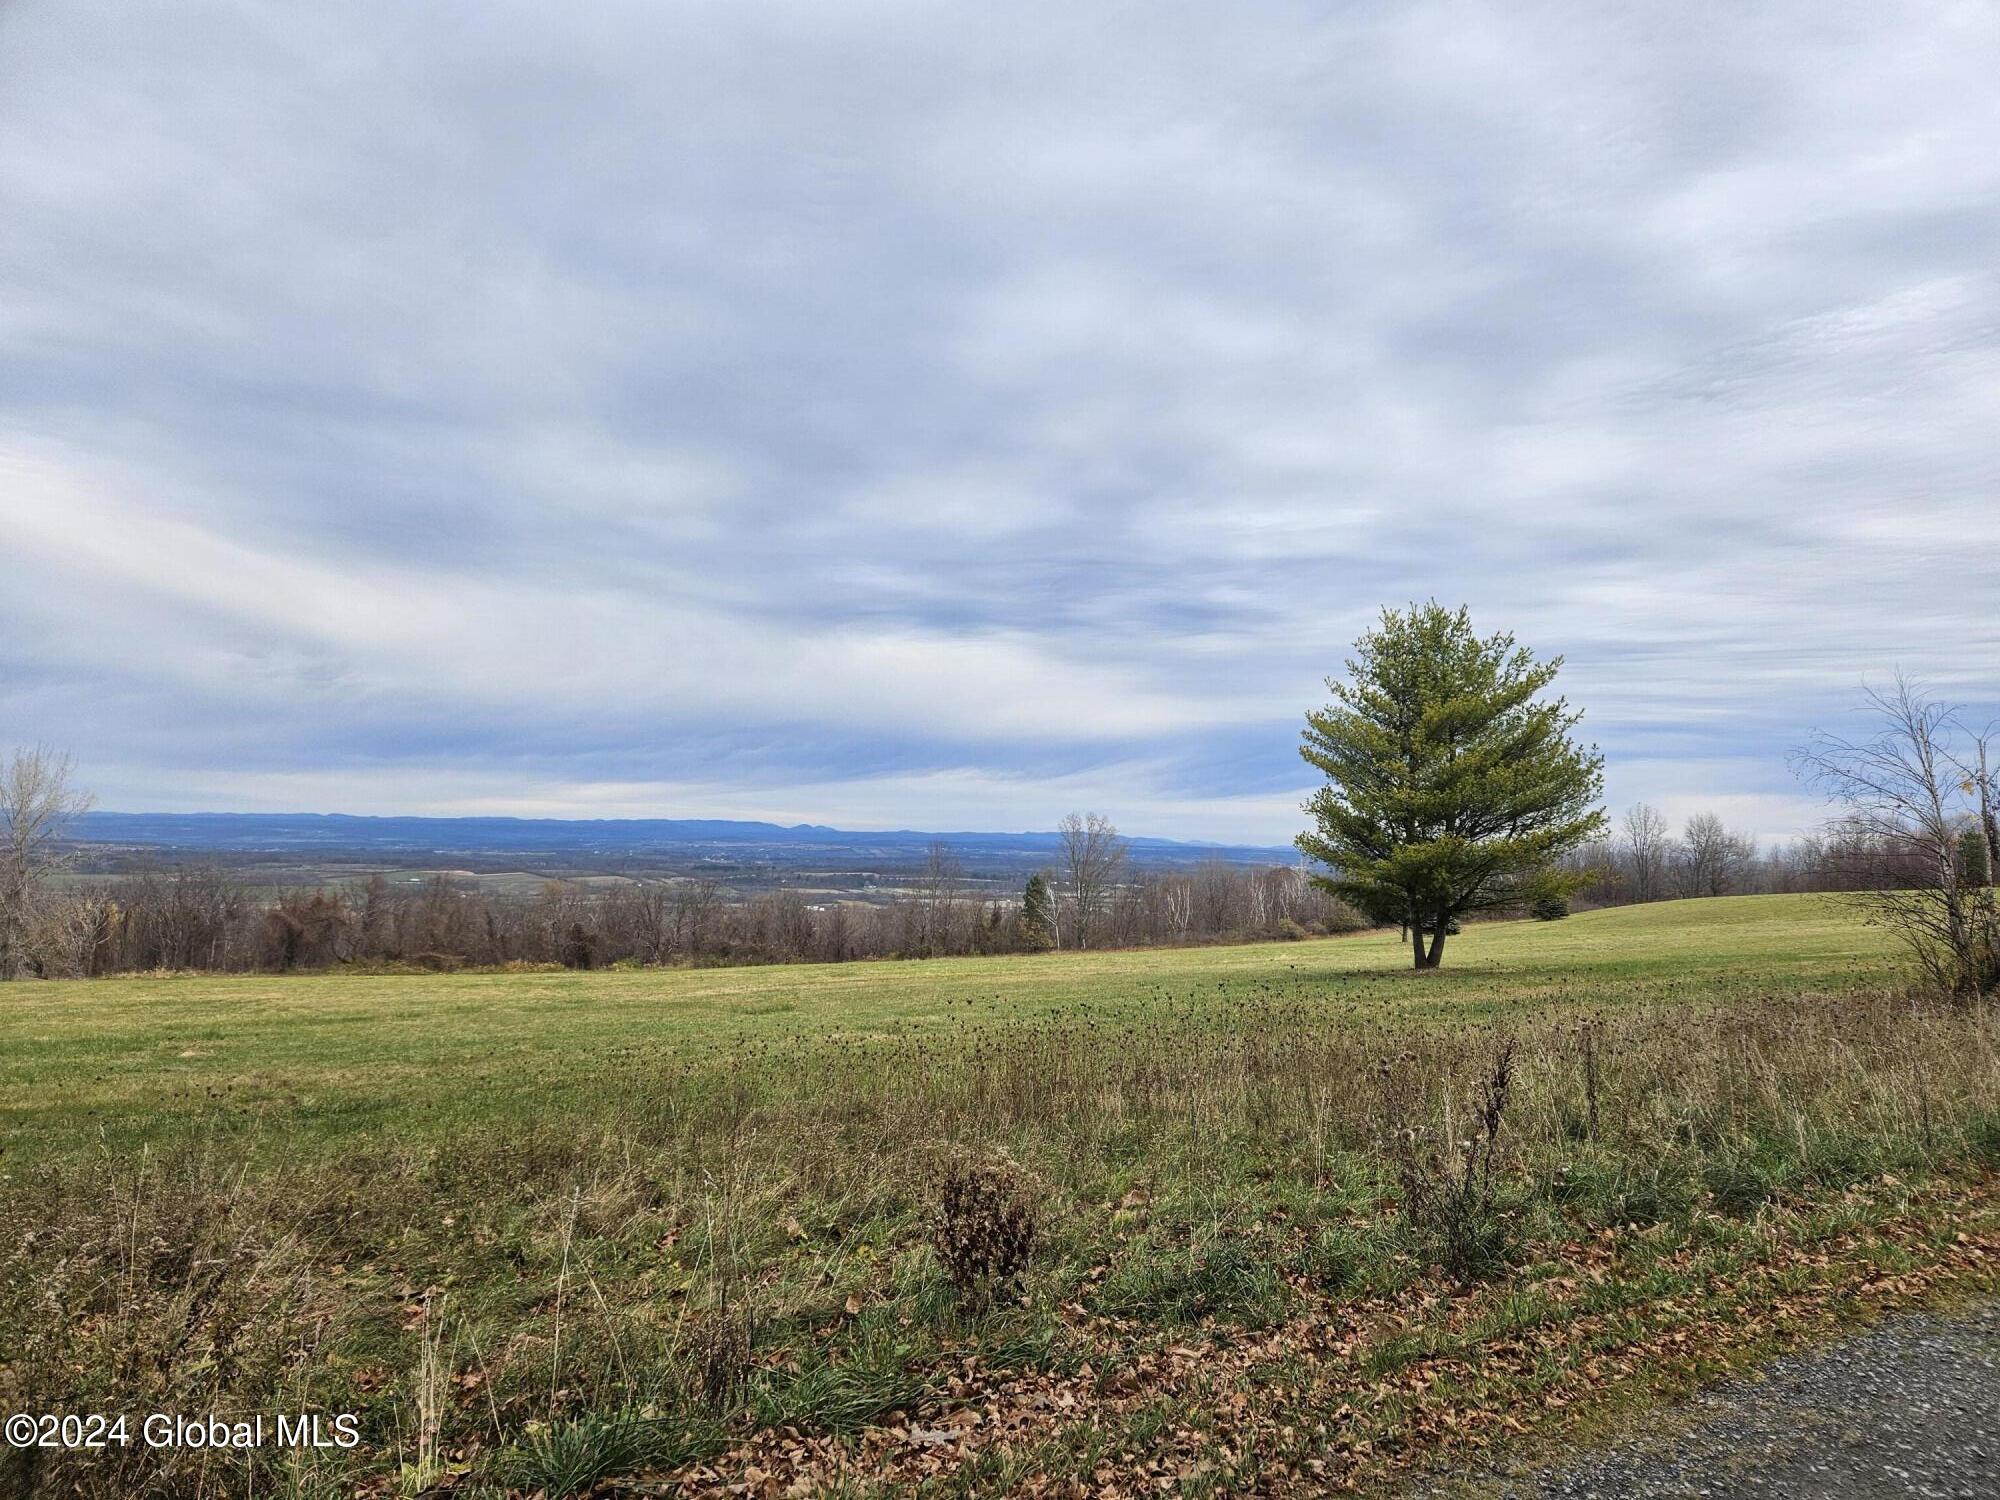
column 946, row 416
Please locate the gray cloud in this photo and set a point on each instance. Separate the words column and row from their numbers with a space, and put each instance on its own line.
column 930, row 414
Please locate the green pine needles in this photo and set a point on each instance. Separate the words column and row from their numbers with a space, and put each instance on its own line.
column 1452, row 787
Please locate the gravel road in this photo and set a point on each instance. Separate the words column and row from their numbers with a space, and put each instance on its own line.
column 1910, row 1408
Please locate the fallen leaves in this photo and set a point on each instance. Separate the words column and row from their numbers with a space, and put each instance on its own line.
column 1327, row 1426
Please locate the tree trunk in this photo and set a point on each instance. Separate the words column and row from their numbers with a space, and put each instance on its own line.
column 1431, row 959
column 1416, row 944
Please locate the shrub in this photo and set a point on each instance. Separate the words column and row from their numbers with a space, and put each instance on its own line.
column 1551, row 906
column 1455, row 1210
column 983, row 1229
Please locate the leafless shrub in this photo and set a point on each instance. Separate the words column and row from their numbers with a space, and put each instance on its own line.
column 1920, row 784
column 983, row 1229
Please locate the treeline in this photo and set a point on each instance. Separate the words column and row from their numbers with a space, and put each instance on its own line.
column 1647, row 859
column 199, row 917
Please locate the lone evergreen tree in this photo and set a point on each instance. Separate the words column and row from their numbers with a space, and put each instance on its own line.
column 1973, row 869
column 1038, row 912
column 1450, row 788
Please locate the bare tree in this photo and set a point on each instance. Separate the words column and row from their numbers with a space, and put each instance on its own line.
column 1907, row 789
column 183, row 919
column 1177, row 906
column 1712, row 858
column 648, row 909
column 695, row 902
column 308, row 929
column 74, row 933
column 1218, row 903
column 937, row 899
column 1093, row 856
column 37, row 803
column 1646, row 842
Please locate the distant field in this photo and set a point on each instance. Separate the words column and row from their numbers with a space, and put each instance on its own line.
column 332, row 1054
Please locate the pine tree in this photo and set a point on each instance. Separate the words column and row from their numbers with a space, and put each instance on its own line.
column 1972, row 858
column 1038, row 912
column 1450, row 787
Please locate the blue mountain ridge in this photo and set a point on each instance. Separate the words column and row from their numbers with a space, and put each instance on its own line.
column 348, row 832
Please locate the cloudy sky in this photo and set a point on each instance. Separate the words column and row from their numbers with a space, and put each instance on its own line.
column 941, row 415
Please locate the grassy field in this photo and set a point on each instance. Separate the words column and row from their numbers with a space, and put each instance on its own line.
column 134, row 1060
column 694, row 1230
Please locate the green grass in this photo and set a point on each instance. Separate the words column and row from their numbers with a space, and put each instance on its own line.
column 124, row 1061
column 545, row 1228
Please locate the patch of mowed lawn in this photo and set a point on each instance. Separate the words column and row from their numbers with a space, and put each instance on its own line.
column 683, row 1225
column 337, row 1055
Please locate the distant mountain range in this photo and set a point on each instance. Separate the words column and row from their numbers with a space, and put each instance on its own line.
column 602, row 842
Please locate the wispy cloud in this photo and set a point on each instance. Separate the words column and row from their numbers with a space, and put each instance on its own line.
column 915, row 415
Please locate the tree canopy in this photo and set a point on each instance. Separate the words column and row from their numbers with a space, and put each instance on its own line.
column 1452, row 785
